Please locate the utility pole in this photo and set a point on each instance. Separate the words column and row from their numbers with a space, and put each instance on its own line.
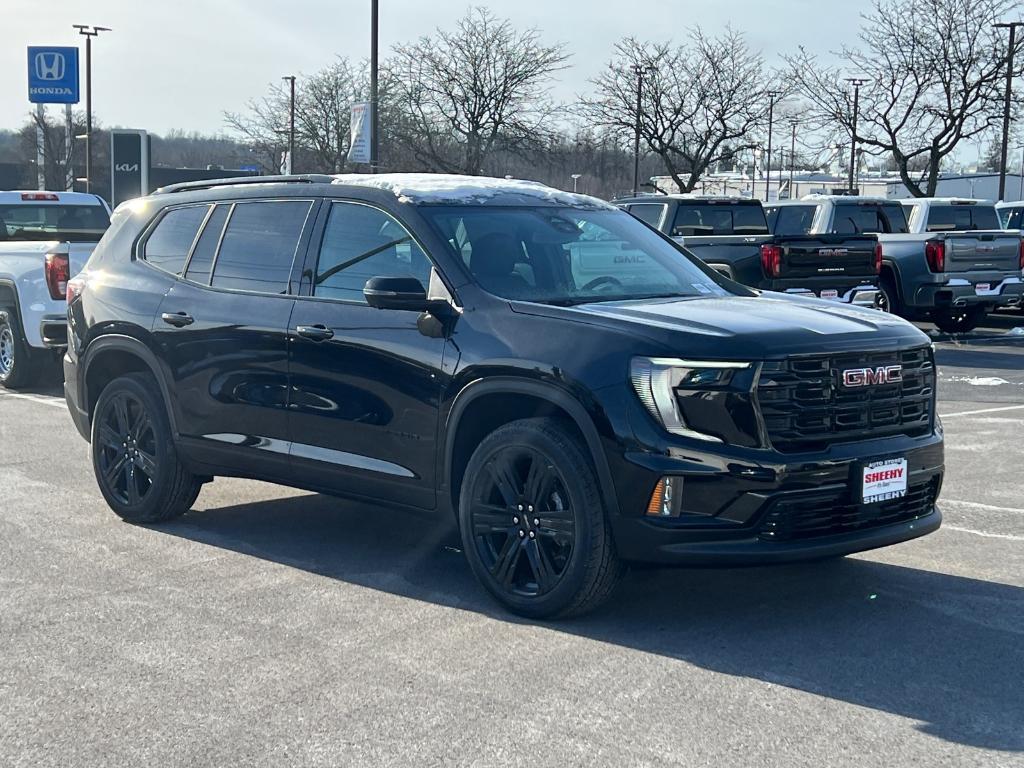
column 640, row 70
column 856, row 82
column 374, row 96
column 1012, row 26
column 291, row 124
column 89, row 32
column 792, row 157
column 772, row 96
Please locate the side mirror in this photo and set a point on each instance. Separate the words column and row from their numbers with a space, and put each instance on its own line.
column 396, row 293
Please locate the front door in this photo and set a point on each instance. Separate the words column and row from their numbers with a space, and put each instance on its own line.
column 365, row 382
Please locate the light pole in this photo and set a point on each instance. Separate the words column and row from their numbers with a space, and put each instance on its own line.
column 792, row 156
column 575, row 178
column 856, row 82
column 1012, row 26
column 291, row 123
column 374, row 99
column 89, row 31
column 640, row 70
column 772, row 96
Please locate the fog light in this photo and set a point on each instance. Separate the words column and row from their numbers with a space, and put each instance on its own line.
column 667, row 499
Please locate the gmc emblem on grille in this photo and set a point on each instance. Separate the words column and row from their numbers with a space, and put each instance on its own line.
column 869, row 377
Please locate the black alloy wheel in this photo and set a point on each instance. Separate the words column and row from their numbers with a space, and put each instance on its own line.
column 523, row 523
column 127, row 456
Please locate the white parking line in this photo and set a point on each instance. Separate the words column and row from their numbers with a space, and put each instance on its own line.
column 986, row 534
column 980, row 506
column 982, row 410
column 54, row 402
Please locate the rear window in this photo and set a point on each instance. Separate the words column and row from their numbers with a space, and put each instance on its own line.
column 961, row 218
column 259, row 244
column 860, row 218
column 649, row 213
column 705, row 219
column 169, row 244
column 80, row 223
column 791, row 220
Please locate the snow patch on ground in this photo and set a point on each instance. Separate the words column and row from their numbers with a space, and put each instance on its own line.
column 980, row 381
column 454, row 189
column 1018, row 331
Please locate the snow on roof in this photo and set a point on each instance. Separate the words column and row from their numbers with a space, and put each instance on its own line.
column 438, row 188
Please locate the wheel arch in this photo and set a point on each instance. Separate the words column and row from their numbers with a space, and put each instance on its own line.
column 114, row 355
column 486, row 404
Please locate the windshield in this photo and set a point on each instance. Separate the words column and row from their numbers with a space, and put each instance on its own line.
column 82, row 223
column 567, row 255
column 698, row 219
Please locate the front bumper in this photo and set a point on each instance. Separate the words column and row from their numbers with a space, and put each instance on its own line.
column 963, row 291
column 740, row 511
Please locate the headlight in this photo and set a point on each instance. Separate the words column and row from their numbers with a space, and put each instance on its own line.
column 656, row 380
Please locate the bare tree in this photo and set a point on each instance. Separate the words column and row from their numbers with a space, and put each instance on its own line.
column 463, row 93
column 934, row 70
column 700, row 102
column 323, row 103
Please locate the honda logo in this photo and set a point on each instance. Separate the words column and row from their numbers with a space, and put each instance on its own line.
column 49, row 65
column 869, row 377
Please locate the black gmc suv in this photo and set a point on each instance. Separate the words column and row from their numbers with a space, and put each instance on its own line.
column 569, row 384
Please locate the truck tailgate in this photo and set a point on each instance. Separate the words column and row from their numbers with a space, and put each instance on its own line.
column 822, row 255
column 988, row 249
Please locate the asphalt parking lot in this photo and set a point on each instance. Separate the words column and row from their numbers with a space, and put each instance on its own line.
column 277, row 627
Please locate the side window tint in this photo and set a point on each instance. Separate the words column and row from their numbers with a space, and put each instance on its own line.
column 361, row 242
column 202, row 257
column 169, row 244
column 258, row 248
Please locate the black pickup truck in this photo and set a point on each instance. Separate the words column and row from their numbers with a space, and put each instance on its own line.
column 731, row 235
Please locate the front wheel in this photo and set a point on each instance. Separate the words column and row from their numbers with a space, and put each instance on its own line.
column 533, row 524
column 133, row 456
column 959, row 319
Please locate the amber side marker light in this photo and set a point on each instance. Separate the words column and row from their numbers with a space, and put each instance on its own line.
column 666, row 500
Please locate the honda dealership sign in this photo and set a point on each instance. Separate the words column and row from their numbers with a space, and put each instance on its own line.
column 52, row 75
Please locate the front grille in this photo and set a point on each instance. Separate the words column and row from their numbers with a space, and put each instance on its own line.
column 806, row 407
column 811, row 516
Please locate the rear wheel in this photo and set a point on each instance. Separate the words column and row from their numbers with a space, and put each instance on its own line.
column 136, row 466
column 17, row 362
column 959, row 319
column 532, row 522
column 889, row 295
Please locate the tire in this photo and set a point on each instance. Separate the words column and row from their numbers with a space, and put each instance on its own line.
column 959, row 320
column 889, row 295
column 553, row 561
column 147, row 483
column 18, row 363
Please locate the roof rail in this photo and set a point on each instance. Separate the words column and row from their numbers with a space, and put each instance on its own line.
column 191, row 186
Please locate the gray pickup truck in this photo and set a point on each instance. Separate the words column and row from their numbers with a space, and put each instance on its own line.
column 943, row 259
column 731, row 235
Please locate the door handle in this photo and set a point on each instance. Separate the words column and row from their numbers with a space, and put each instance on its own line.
column 177, row 319
column 315, row 332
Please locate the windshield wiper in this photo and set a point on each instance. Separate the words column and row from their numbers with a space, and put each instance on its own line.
column 575, row 301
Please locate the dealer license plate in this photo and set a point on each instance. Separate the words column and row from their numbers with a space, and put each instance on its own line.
column 827, row 294
column 884, row 480
column 982, row 287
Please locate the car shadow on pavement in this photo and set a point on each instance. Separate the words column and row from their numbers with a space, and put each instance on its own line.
column 940, row 649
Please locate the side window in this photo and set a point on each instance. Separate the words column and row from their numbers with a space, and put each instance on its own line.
column 361, row 242
column 649, row 213
column 258, row 247
column 202, row 255
column 169, row 244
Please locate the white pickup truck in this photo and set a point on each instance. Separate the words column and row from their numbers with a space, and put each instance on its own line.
column 45, row 239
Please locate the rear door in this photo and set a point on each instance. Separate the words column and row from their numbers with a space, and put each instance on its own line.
column 365, row 382
column 222, row 331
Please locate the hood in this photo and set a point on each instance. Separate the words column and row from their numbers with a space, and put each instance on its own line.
column 761, row 327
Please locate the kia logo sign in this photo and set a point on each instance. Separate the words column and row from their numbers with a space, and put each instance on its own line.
column 869, row 377
column 127, row 167
column 50, row 65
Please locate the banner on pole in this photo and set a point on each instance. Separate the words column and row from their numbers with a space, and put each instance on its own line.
column 359, row 141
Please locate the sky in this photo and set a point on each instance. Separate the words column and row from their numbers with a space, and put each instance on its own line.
column 181, row 64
